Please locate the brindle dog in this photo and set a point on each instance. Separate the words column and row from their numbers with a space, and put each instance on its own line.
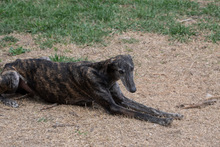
column 80, row 83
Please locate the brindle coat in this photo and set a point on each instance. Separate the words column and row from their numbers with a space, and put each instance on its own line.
column 80, row 83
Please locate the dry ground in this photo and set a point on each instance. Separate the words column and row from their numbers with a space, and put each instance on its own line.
column 167, row 74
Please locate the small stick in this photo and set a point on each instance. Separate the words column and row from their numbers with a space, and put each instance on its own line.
column 48, row 107
column 192, row 106
column 23, row 96
column 62, row 125
column 160, row 74
column 213, row 97
column 203, row 104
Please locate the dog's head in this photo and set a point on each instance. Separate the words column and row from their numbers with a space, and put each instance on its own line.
column 122, row 67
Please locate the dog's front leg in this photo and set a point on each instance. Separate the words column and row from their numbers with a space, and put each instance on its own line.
column 103, row 97
column 126, row 102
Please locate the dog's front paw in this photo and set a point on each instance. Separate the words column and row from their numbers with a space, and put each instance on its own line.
column 166, row 121
column 178, row 116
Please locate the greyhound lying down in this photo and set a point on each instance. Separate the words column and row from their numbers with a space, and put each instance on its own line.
column 80, row 83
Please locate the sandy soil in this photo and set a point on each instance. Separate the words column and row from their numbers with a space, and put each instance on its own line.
column 167, row 74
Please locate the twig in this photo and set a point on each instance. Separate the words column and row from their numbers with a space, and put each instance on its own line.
column 213, row 97
column 22, row 97
column 199, row 105
column 62, row 125
column 160, row 74
column 48, row 107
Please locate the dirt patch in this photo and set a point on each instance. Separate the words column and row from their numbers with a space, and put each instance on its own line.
column 167, row 74
column 206, row 2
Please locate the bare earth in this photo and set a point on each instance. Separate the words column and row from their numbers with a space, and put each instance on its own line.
column 167, row 74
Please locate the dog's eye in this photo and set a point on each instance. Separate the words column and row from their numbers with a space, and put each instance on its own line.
column 121, row 71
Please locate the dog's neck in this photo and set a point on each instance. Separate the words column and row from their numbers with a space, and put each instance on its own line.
column 103, row 68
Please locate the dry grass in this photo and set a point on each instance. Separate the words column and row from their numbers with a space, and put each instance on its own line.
column 167, row 74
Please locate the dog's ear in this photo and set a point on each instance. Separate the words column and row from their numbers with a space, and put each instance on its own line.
column 112, row 65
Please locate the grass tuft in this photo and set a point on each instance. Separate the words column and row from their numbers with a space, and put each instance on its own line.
column 9, row 39
column 43, row 119
column 17, row 51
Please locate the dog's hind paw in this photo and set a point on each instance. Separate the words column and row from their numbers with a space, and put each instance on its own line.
column 9, row 102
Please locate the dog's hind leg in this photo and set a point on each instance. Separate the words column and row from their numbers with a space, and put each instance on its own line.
column 126, row 102
column 9, row 82
column 8, row 102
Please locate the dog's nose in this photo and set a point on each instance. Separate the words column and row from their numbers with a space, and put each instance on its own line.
column 133, row 90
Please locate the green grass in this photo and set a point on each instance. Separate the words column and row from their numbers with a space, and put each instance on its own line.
column 90, row 21
column 10, row 39
column 61, row 58
column 43, row 119
column 17, row 51
column 81, row 133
